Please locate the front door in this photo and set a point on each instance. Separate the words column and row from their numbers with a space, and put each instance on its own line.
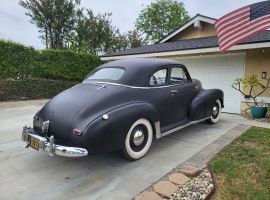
column 159, row 95
column 171, row 94
column 182, row 92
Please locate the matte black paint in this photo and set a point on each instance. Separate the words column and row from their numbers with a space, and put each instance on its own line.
column 82, row 106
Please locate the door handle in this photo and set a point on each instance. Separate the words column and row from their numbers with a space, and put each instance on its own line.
column 173, row 92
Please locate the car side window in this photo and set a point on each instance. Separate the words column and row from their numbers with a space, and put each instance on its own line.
column 158, row 78
column 178, row 75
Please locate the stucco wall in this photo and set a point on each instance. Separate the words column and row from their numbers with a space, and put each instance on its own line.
column 258, row 61
column 192, row 32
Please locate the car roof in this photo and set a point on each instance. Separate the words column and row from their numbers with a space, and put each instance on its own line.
column 144, row 64
column 138, row 70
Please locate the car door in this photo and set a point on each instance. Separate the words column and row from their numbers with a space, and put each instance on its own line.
column 159, row 95
column 182, row 93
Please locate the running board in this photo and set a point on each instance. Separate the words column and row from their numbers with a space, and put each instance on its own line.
column 160, row 135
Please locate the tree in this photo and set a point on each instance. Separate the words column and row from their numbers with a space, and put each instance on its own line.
column 63, row 24
column 55, row 19
column 96, row 34
column 130, row 39
column 161, row 17
column 135, row 39
column 93, row 33
column 118, row 41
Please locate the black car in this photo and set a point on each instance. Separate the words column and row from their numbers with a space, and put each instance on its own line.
column 122, row 105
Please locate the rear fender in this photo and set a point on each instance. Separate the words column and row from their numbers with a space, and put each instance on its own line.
column 202, row 105
column 107, row 135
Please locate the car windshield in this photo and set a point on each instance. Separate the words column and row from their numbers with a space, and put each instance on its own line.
column 110, row 73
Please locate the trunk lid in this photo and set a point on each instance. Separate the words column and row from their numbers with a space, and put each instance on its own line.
column 64, row 107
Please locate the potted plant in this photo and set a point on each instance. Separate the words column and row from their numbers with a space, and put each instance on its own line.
column 251, row 88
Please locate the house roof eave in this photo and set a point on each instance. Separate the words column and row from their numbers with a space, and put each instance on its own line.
column 189, row 51
column 198, row 17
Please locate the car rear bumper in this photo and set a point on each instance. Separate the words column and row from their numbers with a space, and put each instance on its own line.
column 43, row 144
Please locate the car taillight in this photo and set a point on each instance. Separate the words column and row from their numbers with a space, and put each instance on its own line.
column 76, row 132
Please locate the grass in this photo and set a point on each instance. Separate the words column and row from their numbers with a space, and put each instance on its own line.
column 242, row 169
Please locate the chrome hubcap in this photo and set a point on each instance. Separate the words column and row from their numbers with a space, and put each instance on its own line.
column 215, row 110
column 138, row 138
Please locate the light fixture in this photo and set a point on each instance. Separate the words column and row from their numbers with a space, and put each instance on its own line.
column 247, row 96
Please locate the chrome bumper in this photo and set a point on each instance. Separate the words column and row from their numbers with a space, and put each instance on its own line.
column 50, row 146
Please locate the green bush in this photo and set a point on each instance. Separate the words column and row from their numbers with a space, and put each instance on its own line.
column 64, row 65
column 16, row 59
column 20, row 61
column 11, row 89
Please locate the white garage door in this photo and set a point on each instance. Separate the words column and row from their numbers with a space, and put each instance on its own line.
column 218, row 72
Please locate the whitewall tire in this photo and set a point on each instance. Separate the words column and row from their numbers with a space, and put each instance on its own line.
column 216, row 112
column 138, row 140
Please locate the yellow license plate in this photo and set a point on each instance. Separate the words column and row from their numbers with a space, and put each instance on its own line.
column 34, row 143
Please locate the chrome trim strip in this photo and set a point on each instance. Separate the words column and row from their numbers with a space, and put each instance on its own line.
column 157, row 128
column 133, row 87
column 51, row 147
column 182, row 126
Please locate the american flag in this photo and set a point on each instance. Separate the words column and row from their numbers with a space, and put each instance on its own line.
column 242, row 24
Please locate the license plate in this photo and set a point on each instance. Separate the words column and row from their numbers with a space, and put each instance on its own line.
column 34, row 143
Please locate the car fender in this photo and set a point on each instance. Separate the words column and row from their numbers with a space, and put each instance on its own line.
column 107, row 135
column 202, row 104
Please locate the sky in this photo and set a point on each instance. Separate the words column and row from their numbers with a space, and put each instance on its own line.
column 15, row 25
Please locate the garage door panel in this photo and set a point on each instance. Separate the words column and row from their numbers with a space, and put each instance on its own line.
column 219, row 72
column 234, row 60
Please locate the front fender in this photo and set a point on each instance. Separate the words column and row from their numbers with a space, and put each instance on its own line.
column 202, row 105
column 102, row 135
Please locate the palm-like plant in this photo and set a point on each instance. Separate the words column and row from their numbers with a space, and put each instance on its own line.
column 251, row 87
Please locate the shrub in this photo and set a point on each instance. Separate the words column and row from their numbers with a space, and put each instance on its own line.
column 16, row 59
column 64, row 65
column 20, row 61
column 11, row 89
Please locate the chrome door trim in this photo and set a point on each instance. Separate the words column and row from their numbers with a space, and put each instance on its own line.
column 133, row 87
column 182, row 126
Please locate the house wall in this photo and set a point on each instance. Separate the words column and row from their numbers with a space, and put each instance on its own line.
column 258, row 61
column 191, row 32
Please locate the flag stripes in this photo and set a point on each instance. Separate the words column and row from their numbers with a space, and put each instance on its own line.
column 237, row 26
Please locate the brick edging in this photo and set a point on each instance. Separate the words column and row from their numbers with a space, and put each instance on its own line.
column 201, row 158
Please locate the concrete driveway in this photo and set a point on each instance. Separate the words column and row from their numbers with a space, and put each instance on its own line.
column 27, row 174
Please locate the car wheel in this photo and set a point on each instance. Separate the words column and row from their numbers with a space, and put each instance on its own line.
column 216, row 111
column 138, row 140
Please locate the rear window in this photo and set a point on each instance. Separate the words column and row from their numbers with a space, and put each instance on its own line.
column 110, row 73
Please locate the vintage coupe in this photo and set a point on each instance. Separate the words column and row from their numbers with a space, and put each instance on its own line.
column 122, row 105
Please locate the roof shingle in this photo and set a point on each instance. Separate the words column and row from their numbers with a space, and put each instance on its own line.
column 197, row 43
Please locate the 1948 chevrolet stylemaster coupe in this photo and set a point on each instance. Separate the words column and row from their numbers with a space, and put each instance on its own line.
column 122, row 105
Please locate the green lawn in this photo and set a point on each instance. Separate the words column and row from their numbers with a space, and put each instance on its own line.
column 242, row 169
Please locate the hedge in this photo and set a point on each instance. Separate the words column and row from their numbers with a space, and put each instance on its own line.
column 16, row 59
column 20, row 61
column 11, row 89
